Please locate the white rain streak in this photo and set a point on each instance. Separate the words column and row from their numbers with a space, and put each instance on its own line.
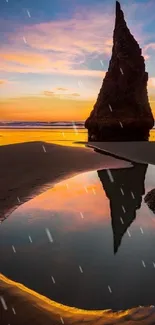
column 49, row 235
column 132, row 195
column 62, row 321
column 44, row 148
column 121, row 124
column 143, row 263
column 121, row 71
column 18, row 199
column 24, row 39
column 86, row 189
column 14, row 311
column 14, row 250
column 53, row 279
column 75, row 128
column 121, row 190
column 110, row 107
column 28, row 13
column 94, row 191
column 101, row 63
column 63, row 134
column 67, row 185
column 109, row 288
column 80, row 84
column 153, row 264
column 122, row 221
column 80, row 268
column 141, row 229
column 30, row 239
column 128, row 233
column 7, row 0
column 3, row 303
column 123, row 209
column 81, row 214
column 110, row 175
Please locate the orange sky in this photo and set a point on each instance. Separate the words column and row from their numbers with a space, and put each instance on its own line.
column 44, row 109
column 48, row 109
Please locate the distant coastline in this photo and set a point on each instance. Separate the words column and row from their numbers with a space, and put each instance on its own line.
column 42, row 125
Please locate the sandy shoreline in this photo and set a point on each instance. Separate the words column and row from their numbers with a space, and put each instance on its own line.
column 33, row 308
column 27, row 167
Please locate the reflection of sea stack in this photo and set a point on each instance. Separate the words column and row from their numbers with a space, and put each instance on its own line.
column 122, row 111
column 124, row 188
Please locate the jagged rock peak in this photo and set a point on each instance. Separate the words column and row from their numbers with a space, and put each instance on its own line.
column 122, row 32
column 119, row 12
column 122, row 111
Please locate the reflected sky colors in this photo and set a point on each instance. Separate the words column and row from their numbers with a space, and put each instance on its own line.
column 65, row 137
column 77, row 215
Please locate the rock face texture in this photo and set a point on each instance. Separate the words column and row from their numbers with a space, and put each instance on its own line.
column 125, row 197
column 122, row 111
column 150, row 200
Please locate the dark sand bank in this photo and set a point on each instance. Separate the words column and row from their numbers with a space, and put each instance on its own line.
column 141, row 151
column 30, row 308
column 27, row 167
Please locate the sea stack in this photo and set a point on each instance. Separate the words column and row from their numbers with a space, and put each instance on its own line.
column 122, row 111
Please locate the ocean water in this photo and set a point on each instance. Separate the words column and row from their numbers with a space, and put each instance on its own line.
column 87, row 242
column 62, row 136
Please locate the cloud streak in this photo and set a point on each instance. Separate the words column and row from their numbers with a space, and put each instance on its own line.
column 63, row 46
column 27, row 62
column 59, row 95
column 61, row 89
column 48, row 93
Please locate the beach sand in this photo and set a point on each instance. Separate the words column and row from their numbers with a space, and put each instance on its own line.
column 27, row 169
column 22, row 306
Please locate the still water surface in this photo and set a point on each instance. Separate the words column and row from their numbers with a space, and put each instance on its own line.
column 88, row 242
column 61, row 136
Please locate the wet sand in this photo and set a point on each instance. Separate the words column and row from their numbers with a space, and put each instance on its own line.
column 27, row 169
column 22, row 306
column 142, row 152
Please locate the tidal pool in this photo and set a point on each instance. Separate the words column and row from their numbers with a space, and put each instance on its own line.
column 87, row 242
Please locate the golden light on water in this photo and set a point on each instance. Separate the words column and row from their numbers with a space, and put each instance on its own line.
column 65, row 137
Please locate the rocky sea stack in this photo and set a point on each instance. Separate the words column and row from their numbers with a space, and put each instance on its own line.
column 122, row 111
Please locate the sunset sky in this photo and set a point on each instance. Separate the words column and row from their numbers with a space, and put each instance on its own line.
column 54, row 54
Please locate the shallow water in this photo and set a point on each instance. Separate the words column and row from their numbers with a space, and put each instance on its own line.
column 67, row 137
column 87, row 242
